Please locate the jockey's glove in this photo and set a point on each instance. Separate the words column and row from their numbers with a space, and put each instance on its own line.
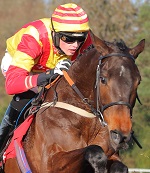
column 62, row 65
column 50, row 75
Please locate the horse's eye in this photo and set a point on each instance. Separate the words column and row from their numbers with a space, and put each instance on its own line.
column 103, row 80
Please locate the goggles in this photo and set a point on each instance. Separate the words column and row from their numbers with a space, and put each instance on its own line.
column 72, row 39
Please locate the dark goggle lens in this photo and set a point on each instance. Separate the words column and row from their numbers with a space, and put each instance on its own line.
column 69, row 39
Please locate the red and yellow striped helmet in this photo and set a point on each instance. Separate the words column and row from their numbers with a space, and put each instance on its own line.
column 70, row 18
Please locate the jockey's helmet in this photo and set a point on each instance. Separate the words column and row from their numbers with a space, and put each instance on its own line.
column 69, row 18
column 69, row 21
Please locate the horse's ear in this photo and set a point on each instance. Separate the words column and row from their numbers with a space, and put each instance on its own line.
column 99, row 44
column 135, row 51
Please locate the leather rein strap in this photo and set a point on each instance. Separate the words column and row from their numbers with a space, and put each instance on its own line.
column 75, row 88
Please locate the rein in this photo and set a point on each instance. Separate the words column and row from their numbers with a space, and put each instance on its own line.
column 85, row 100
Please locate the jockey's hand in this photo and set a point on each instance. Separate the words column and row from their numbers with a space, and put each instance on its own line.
column 62, row 65
column 46, row 77
column 50, row 75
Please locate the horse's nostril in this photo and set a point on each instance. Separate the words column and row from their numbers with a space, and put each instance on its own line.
column 116, row 137
column 127, row 138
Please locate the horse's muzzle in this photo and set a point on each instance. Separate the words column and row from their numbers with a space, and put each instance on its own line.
column 119, row 141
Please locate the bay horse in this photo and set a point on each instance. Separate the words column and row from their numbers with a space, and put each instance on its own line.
column 82, row 124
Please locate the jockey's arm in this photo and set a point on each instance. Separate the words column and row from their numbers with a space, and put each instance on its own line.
column 25, row 48
column 18, row 80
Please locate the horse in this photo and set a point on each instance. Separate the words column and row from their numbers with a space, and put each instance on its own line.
column 86, row 117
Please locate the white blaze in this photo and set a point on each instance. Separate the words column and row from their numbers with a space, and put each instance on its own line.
column 122, row 70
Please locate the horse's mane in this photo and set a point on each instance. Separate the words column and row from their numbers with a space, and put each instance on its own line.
column 86, row 51
column 117, row 44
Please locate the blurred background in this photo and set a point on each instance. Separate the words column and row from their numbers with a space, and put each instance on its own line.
column 109, row 20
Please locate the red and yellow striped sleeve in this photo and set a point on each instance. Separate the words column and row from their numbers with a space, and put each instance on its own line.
column 25, row 47
column 18, row 80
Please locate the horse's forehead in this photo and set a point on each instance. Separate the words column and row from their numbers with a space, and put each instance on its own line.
column 122, row 67
column 122, row 71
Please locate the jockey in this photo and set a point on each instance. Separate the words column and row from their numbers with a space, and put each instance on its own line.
column 39, row 51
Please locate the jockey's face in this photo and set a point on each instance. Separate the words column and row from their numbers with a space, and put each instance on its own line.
column 70, row 47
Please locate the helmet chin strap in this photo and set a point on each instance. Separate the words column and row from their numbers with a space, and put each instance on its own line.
column 60, row 51
column 56, row 39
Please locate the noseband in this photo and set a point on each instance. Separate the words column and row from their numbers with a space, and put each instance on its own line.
column 98, row 77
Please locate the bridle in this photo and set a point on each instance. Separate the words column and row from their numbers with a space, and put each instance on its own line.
column 98, row 77
column 104, row 107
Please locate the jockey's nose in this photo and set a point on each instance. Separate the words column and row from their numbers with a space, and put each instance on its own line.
column 118, row 137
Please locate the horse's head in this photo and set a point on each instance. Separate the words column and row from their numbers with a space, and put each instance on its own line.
column 119, row 80
column 111, row 74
